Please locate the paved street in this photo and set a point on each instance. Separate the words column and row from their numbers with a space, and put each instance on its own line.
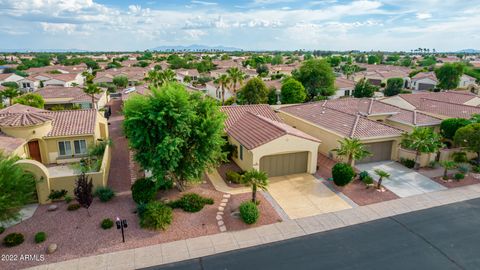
column 403, row 181
column 444, row 237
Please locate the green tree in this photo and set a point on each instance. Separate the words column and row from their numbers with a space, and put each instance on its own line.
column 292, row 91
column 373, row 59
column 469, row 137
column 383, row 175
column 92, row 90
column 223, row 82
column 448, row 127
column 256, row 180
column 449, row 75
column 352, row 149
column 120, row 81
column 447, row 165
column 394, row 87
column 10, row 93
column 422, row 140
column 17, row 187
column 30, row 99
column 262, row 70
column 253, row 92
column 364, row 88
column 317, row 77
column 277, row 59
column 181, row 133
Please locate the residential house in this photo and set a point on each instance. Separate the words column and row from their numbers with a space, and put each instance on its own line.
column 424, row 81
column 47, row 139
column 135, row 75
column 265, row 143
column 378, row 126
column 10, row 77
column 344, row 87
column 444, row 105
column 182, row 73
column 63, row 79
column 466, row 81
column 70, row 97
column 379, row 74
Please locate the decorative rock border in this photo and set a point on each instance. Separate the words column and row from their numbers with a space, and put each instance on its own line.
column 220, row 213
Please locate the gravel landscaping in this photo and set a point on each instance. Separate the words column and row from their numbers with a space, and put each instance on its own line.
column 224, row 168
column 78, row 235
column 452, row 183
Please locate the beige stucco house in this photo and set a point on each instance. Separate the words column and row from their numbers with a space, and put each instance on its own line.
column 265, row 143
column 68, row 97
column 47, row 140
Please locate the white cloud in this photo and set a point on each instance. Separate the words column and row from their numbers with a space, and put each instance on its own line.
column 423, row 15
column 204, row 3
column 54, row 28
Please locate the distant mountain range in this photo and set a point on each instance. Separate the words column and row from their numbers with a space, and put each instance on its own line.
column 468, row 51
column 196, row 48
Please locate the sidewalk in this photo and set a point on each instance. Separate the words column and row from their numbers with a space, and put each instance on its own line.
column 212, row 244
column 220, row 185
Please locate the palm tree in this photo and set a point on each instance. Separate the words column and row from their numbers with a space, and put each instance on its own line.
column 422, row 140
column 382, row 174
column 447, row 165
column 160, row 78
column 153, row 76
column 256, row 180
column 10, row 93
column 236, row 76
column 167, row 76
column 92, row 90
column 353, row 149
column 223, row 82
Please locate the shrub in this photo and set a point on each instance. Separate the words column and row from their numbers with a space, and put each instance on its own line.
column 367, row 180
column 476, row 169
column 40, row 237
column 57, row 194
column 432, row 164
column 363, row 174
column 68, row 198
column 459, row 176
column 191, row 202
column 460, row 157
column 105, row 194
column 156, row 216
column 463, row 168
column 342, row 174
column 2, row 229
column 409, row 163
column 144, row 190
column 234, row 177
column 13, row 239
column 249, row 212
column 73, row 207
column 106, row 224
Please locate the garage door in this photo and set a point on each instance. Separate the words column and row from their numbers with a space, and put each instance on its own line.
column 285, row 164
column 425, row 86
column 380, row 151
column 375, row 82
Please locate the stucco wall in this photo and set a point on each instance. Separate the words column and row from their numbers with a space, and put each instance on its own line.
column 247, row 162
column 424, row 158
column 399, row 102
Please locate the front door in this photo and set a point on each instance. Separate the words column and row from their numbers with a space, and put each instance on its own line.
column 34, row 150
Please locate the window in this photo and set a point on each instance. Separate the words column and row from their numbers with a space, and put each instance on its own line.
column 347, row 93
column 64, row 148
column 80, row 147
column 241, row 152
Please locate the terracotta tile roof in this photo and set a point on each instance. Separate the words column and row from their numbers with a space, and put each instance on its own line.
column 457, row 97
column 253, row 131
column 425, row 75
column 343, row 123
column 448, row 109
column 139, row 90
column 236, row 112
column 64, row 123
column 75, row 122
column 368, row 106
column 9, row 144
column 344, row 83
column 72, row 93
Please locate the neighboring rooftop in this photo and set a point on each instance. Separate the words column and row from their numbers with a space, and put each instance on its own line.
column 236, row 112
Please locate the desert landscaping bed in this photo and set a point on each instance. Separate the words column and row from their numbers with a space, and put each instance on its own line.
column 78, row 235
column 358, row 193
column 452, row 183
column 224, row 168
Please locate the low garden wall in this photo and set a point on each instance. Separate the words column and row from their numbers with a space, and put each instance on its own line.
column 46, row 182
column 424, row 158
column 446, row 154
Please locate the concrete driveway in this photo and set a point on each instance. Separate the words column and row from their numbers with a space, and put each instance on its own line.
column 301, row 195
column 403, row 181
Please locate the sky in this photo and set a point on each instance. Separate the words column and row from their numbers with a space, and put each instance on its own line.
column 109, row 25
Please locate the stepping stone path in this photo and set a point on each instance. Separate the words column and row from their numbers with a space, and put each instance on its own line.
column 221, row 208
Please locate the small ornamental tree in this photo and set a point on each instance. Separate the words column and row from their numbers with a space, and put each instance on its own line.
column 448, row 127
column 364, row 88
column 256, row 180
column 447, row 165
column 92, row 90
column 253, row 92
column 449, row 75
column 120, row 81
column 352, row 149
column 469, row 137
column 292, row 92
column 83, row 191
column 383, row 175
column 421, row 140
column 394, row 87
